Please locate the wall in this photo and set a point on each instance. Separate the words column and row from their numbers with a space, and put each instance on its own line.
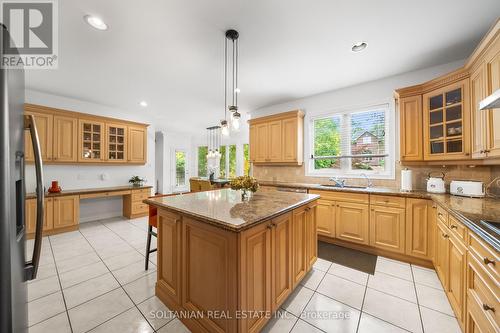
column 171, row 142
column 90, row 176
column 370, row 93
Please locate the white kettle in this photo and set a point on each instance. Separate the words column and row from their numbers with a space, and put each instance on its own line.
column 435, row 184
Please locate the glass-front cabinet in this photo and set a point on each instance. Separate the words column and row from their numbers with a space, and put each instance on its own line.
column 91, row 148
column 117, row 142
column 446, row 118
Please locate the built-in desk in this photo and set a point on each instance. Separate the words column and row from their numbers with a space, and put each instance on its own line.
column 62, row 210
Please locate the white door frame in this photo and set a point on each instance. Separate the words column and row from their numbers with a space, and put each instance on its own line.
column 185, row 187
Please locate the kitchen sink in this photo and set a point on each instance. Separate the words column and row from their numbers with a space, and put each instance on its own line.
column 345, row 186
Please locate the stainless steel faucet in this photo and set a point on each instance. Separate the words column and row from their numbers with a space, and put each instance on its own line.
column 338, row 182
column 368, row 181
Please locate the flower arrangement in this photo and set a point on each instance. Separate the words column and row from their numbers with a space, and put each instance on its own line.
column 245, row 183
column 136, row 181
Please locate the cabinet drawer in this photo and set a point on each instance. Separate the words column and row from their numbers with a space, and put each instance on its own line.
column 387, row 200
column 442, row 215
column 342, row 196
column 139, row 197
column 139, row 207
column 457, row 228
column 481, row 289
column 487, row 257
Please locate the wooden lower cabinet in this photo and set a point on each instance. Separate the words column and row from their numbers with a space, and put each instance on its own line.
column 256, row 291
column 282, row 259
column 311, row 235
column 325, row 217
column 457, row 257
column 61, row 214
column 246, row 275
column 352, row 222
column 442, row 249
column 299, row 244
column 387, row 228
column 30, row 215
column 169, row 256
column 419, row 228
column 66, row 211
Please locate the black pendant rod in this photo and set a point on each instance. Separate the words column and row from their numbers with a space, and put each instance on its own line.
column 225, row 79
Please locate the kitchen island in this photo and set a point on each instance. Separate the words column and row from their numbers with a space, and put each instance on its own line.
column 226, row 265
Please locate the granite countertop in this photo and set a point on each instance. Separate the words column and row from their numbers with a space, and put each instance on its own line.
column 470, row 211
column 89, row 191
column 224, row 208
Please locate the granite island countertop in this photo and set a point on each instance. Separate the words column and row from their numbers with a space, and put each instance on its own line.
column 470, row 211
column 224, row 208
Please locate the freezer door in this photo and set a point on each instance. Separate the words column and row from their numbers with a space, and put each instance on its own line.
column 13, row 298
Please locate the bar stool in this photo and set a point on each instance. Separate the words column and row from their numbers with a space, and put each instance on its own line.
column 153, row 223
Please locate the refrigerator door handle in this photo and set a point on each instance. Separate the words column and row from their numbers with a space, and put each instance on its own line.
column 31, row 267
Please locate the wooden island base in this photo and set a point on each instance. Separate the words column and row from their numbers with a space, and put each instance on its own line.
column 220, row 280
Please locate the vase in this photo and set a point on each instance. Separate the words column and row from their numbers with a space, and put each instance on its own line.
column 245, row 194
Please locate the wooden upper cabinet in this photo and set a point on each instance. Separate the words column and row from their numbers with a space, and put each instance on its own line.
column 116, row 135
column 91, row 141
column 72, row 137
column 292, row 140
column 410, row 120
column 43, row 123
column 352, row 222
column 277, row 139
column 275, row 142
column 262, row 143
column 493, row 116
column 447, row 122
column 478, row 91
column 137, row 144
column 65, row 139
column 253, row 143
column 387, row 228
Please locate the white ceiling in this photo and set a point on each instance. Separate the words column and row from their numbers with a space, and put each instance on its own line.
column 170, row 52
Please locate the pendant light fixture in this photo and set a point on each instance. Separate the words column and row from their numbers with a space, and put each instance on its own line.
column 233, row 36
column 213, row 142
column 223, row 123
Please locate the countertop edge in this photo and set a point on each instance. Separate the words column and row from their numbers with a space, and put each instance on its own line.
column 472, row 226
column 224, row 225
column 63, row 193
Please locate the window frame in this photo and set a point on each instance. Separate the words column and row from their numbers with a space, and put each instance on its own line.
column 346, row 171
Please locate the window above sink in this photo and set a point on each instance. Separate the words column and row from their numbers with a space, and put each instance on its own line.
column 349, row 143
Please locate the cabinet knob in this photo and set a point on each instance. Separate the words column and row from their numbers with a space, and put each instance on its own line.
column 467, row 154
column 453, row 226
column 445, row 235
column 488, row 261
column 486, row 307
column 269, row 226
column 486, row 151
column 440, row 215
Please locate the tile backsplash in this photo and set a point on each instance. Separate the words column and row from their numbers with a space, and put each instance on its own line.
column 297, row 174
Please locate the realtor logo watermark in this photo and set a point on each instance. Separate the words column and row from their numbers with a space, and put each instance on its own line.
column 33, row 32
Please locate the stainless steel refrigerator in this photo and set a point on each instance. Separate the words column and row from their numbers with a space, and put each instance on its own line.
column 14, row 269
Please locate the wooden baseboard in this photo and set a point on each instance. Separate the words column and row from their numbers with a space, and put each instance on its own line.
column 378, row 252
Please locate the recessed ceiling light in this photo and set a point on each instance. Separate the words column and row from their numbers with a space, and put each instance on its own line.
column 360, row 46
column 95, row 22
column 143, row 104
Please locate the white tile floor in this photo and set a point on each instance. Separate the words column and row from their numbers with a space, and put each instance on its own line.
column 93, row 280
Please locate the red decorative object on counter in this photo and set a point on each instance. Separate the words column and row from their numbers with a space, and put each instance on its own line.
column 55, row 188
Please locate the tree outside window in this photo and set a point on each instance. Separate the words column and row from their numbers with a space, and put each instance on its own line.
column 246, row 160
column 202, row 161
column 232, row 161
column 222, row 165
